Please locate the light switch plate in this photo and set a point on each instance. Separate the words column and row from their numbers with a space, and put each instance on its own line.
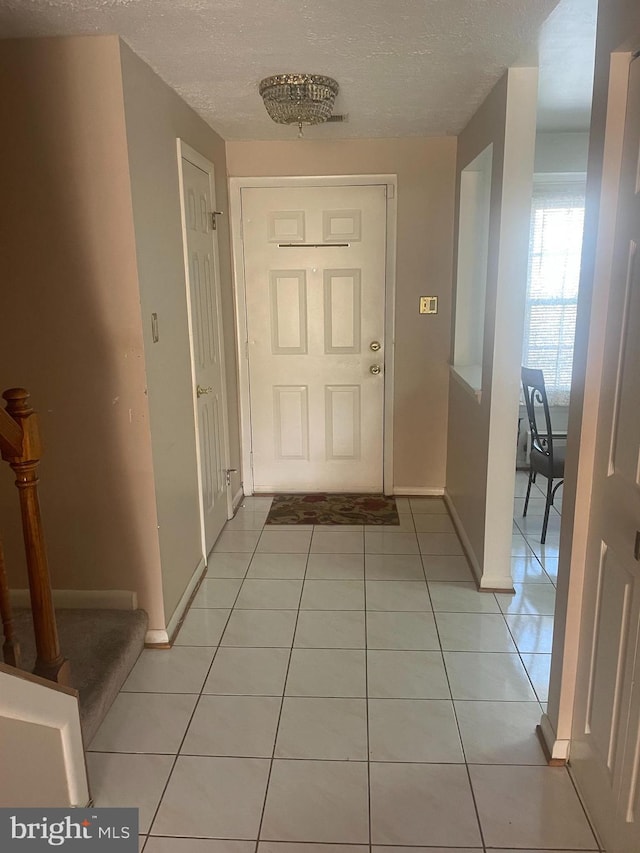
column 428, row 304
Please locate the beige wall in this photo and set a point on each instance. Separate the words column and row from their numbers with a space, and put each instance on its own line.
column 155, row 116
column 481, row 437
column 468, row 435
column 426, row 174
column 70, row 324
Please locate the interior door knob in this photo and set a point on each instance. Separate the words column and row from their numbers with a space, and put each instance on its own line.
column 375, row 345
column 200, row 390
column 375, row 369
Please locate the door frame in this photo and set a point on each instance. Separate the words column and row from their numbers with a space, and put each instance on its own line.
column 185, row 151
column 236, row 185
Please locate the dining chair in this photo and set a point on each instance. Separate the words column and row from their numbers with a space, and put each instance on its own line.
column 544, row 458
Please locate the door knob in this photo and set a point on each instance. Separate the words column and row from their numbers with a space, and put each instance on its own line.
column 375, row 369
column 375, row 345
column 200, row 390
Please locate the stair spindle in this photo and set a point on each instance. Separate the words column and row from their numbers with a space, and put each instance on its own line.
column 50, row 662
column 10, row 647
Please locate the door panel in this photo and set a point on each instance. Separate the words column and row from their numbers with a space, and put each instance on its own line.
column 605, row 746
column 288, row 315
column 207, row 345
column 611, row 628
column 342, row 424
column 342, row 311
column 315, row 295
column 291, row 421
column 626, row 424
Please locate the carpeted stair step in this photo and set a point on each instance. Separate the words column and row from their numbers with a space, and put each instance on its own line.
column 102, row 646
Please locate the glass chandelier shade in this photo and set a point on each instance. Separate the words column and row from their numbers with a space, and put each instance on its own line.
column 301, row 99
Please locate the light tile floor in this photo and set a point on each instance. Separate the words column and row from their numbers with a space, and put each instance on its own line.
column 337, row 690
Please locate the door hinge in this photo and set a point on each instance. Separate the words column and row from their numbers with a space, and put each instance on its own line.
column 213, row 215
column 251, row 459
column 246, row 349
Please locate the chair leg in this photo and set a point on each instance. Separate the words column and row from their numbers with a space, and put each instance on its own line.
column 526, row 500
column 547, row 507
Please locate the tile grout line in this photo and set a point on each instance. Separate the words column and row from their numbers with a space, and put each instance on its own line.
column 526, row 537
column 462, row 747
column 204, row 681
column 520, row 658
column 343, row 760
column 569, row 771
column 366, row 693
column 455, row 714
column 284, row 693
column 355, row 762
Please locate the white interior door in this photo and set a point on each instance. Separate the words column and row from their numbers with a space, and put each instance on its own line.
column 314, row 263
column 605, row 746
column 207, row 346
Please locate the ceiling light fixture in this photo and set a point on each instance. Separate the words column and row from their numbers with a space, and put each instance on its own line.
column 299, row 98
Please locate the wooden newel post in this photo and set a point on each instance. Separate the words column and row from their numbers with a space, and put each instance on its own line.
column 49, row 661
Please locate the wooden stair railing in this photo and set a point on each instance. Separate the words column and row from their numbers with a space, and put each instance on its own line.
column 21, row 447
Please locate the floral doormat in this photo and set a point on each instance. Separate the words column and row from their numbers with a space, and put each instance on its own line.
column 333, row 509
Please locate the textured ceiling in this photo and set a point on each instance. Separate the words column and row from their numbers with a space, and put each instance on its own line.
column 405, row 67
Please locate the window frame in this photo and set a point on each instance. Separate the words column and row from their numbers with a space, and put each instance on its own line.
column 572, row 184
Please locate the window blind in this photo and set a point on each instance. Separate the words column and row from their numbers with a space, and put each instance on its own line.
column 555, row 245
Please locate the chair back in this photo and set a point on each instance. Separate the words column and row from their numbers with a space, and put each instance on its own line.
column 535, row 397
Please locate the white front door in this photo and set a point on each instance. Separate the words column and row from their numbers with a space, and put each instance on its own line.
column 314, row 265
column 207, row 346
column 605, row 746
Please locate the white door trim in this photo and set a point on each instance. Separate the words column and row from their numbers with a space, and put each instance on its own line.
column 235, row 209
column 185, row 151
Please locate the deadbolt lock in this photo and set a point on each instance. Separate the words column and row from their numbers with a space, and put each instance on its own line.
column 375, row 345
column 375, row 369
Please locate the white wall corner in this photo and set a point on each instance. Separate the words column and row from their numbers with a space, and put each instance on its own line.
column 557, row 748
column 462, row 533
column 513, row 251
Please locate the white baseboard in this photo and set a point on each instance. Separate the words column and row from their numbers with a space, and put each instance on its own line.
column 237, row 499
column 497, row 583
column 486, row 581
column 156, row 637
column 418, row 491
column 462, row 533
column 557, row 748
column 82, row 599
column 179, row 612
